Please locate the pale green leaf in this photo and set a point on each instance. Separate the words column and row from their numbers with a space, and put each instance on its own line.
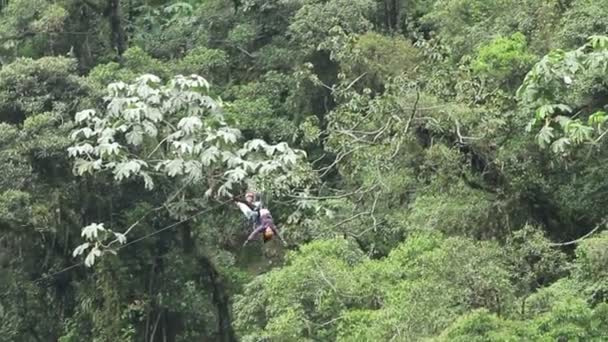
column 106, row 136
column 190, row 124
column 90, row 259
column 597, row 118
column 125, row 169
column 563, row 121
column 578, row 132
column 84, row 115
column 148, row 182
column 85, row 131
column 136, row 136
column 174, row 167
column 290, row 158
column 236, row 175
column 269, row 167
column 108, row 149
column 91, row 231
column 194, row 169
column 85, row 166
column 80, row 249
column 559, row 145
column 147, row 78
column 83, row 149
column 153, row 114
column 122, row 239
column 210, row 155
column 150, row 128
column 229, row 135
column 544, row 136
column 184, row 146
column 255, row 144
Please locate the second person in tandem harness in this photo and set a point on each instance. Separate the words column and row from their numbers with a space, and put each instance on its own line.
column 259, row 217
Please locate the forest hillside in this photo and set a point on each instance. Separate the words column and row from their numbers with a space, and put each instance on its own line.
column 433, row 169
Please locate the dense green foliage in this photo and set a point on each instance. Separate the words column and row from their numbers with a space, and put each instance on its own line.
column 425, row 160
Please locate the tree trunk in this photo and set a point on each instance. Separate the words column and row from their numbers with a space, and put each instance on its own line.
column 220, row 299
column 117, row 31
column 387, row 15
column 396, row 16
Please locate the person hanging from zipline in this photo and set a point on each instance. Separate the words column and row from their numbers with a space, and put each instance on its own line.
column 265, row 227
column 250, row 208
column 260, row 218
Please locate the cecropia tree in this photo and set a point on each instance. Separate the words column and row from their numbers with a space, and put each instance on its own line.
column 150, row 130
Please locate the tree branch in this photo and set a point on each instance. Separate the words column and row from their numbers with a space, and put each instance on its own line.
column 602, row 223
column 407, row 125
column 244, row 51
column 17, row 36
column 358, row 191
column 349, row 219
column 337, row 160
column 461, row 138
column 156, row 325
column 414, row 110
column 355, row 81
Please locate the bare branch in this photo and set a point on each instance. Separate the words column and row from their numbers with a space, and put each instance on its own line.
column 356, row 192
column 602, row 223
column 600, row 137
column 352, row 135
column 244, row 51
column 158, row 146
column 461, row 138
column 388, row 122
column 155, row 325
column 355, row 81
column 337, row 160
column 360, row 121
column 324, row 277
column 407, row 125
column 399, row 142
column 409, row 121
column 373, row 210
column 331, row 285
column 349, row 219
column 431, row 107
column 318, row 159
column 331, row 321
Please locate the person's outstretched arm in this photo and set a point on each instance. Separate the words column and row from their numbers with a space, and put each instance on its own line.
column 253, row 234
column 247, row 211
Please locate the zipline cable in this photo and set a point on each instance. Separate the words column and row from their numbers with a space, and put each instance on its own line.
column 52, row 275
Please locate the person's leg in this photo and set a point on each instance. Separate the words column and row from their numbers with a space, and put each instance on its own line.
column 276, row 232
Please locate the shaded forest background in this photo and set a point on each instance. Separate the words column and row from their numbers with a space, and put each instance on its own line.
column 453, row 148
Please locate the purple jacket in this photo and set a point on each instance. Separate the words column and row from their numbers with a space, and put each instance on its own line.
column 266, row 221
